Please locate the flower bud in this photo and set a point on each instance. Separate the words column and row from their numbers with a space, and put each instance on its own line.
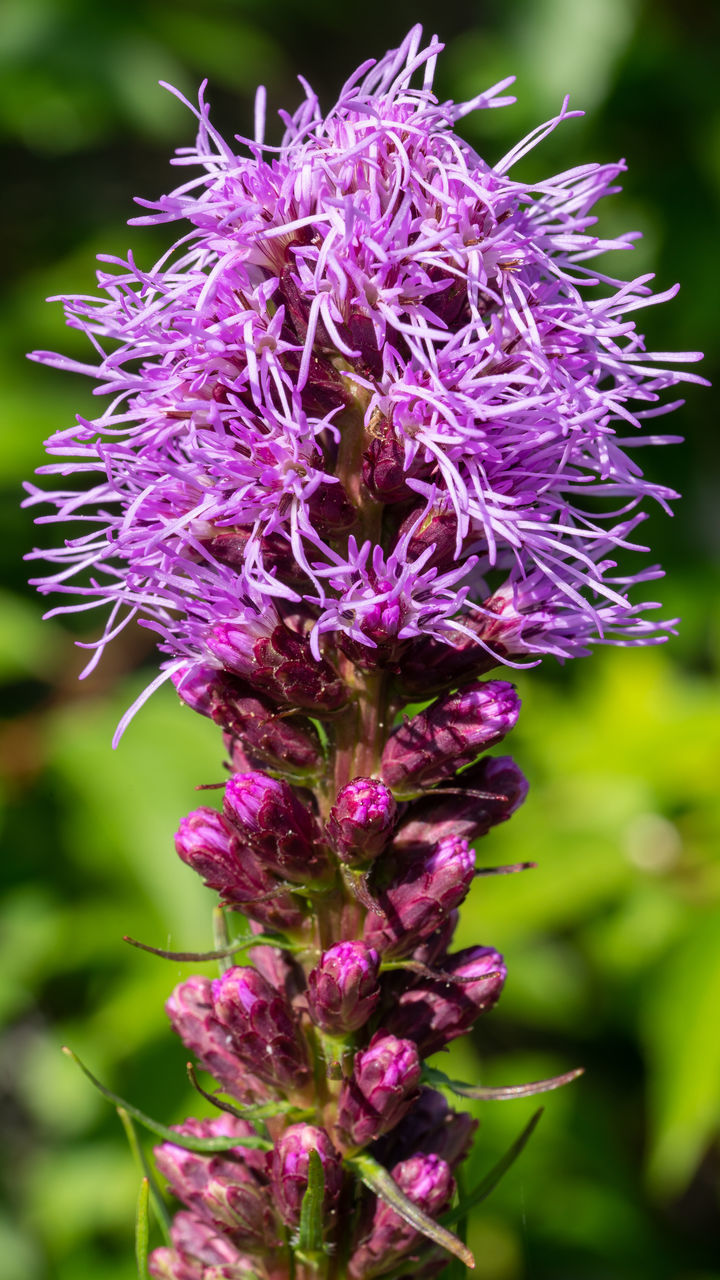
column 469, row 816
column 384, row 470
column 431, row 666
column 428, row 1182
column 264, row 1033
column 195, row 1236
column 449, row 734
column 330, row 510
column 434, row 1011
column 279, row 663
column 168, row 1264
column 287, row 745
column 437, row 528
column 361, row 820
column 268, row 816
column 417, row 902
column 205, row 841
column 343, row 990
column 431, row 1127
column 229, row 1188
column 289, row 1171
column 381, row 1090
column 191, row 1014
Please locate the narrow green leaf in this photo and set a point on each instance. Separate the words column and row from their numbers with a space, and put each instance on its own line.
column 164, row 1131
column 221, row 938
column 433, row 1076
column 243, row 1113
column 385, row 1186
column 159, row 1205
column 142, row 1229
column 220, row 953
column 310, row 1232
column 490, row 1181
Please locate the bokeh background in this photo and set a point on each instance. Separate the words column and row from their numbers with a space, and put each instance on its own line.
column 613, row 943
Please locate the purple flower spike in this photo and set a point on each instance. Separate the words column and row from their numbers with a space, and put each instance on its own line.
column 263, row 1030
column 426, row 1180
column 343, row 988
column 469, row 816
column 361, row 820
column 381, row 1090
column 190, row 1010
column 289, row 1173
column 434, row 1011
column 419, row 900
column 449, row 734
column 267, row 815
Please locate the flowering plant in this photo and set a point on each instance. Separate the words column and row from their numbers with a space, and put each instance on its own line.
column 362, row 447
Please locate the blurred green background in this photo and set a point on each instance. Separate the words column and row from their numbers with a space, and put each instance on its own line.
column 613, row 943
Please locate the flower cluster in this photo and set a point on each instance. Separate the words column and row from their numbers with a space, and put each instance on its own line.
column 371, row 395
column 361, row 447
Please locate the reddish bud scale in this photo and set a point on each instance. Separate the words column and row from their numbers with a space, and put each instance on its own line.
column 451, row 733
column 384, row 470
column 436, row 529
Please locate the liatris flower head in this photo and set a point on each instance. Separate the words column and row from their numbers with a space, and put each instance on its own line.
column 361, row 820
column 380, row 1091
column 290, row 1164
column 370, row 316
column 427, row 1180
column 423, row 892
column 343, row 989
column 261, row 1028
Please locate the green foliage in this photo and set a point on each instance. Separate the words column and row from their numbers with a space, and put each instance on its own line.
column 613, row 942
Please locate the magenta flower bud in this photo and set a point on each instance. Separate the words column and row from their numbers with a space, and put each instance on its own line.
column 191, row 1015
column 361, row 820
column 426, row 1180
column 381, row 1090
column 205, row 841
column 288, row 745
column 431, row 1127
column 289, row 1170
column 437, row 529
column 263, row 1030
column 430, row 666
column 469, row 816
column 434, row 1011
column 279, row 663
column 418, row 901
column 343, row 989
column 168, row 1264
column 195, row 1237
column 449, row 734
column 268, row 816
column 384, row 470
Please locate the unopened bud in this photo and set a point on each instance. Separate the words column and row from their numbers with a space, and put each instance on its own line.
column 426, row 1180
column 381, row 1090
column 451, row 733
column 418, row 901
column 207, row 843
column 191, row 1014
column 264, row 1033
column 343, row 988
column 437, row 528
column 269, row 817
column 289, row 1171
column 196, row 1237
column 431, row 1127
column 361, row 820
column 434, row 1011
column 384, row 470
column 493, row 789
column 279, row 663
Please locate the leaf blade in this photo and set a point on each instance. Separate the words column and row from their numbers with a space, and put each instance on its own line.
column 380, row 1181
column 502, row 1093
column 490, row 1181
